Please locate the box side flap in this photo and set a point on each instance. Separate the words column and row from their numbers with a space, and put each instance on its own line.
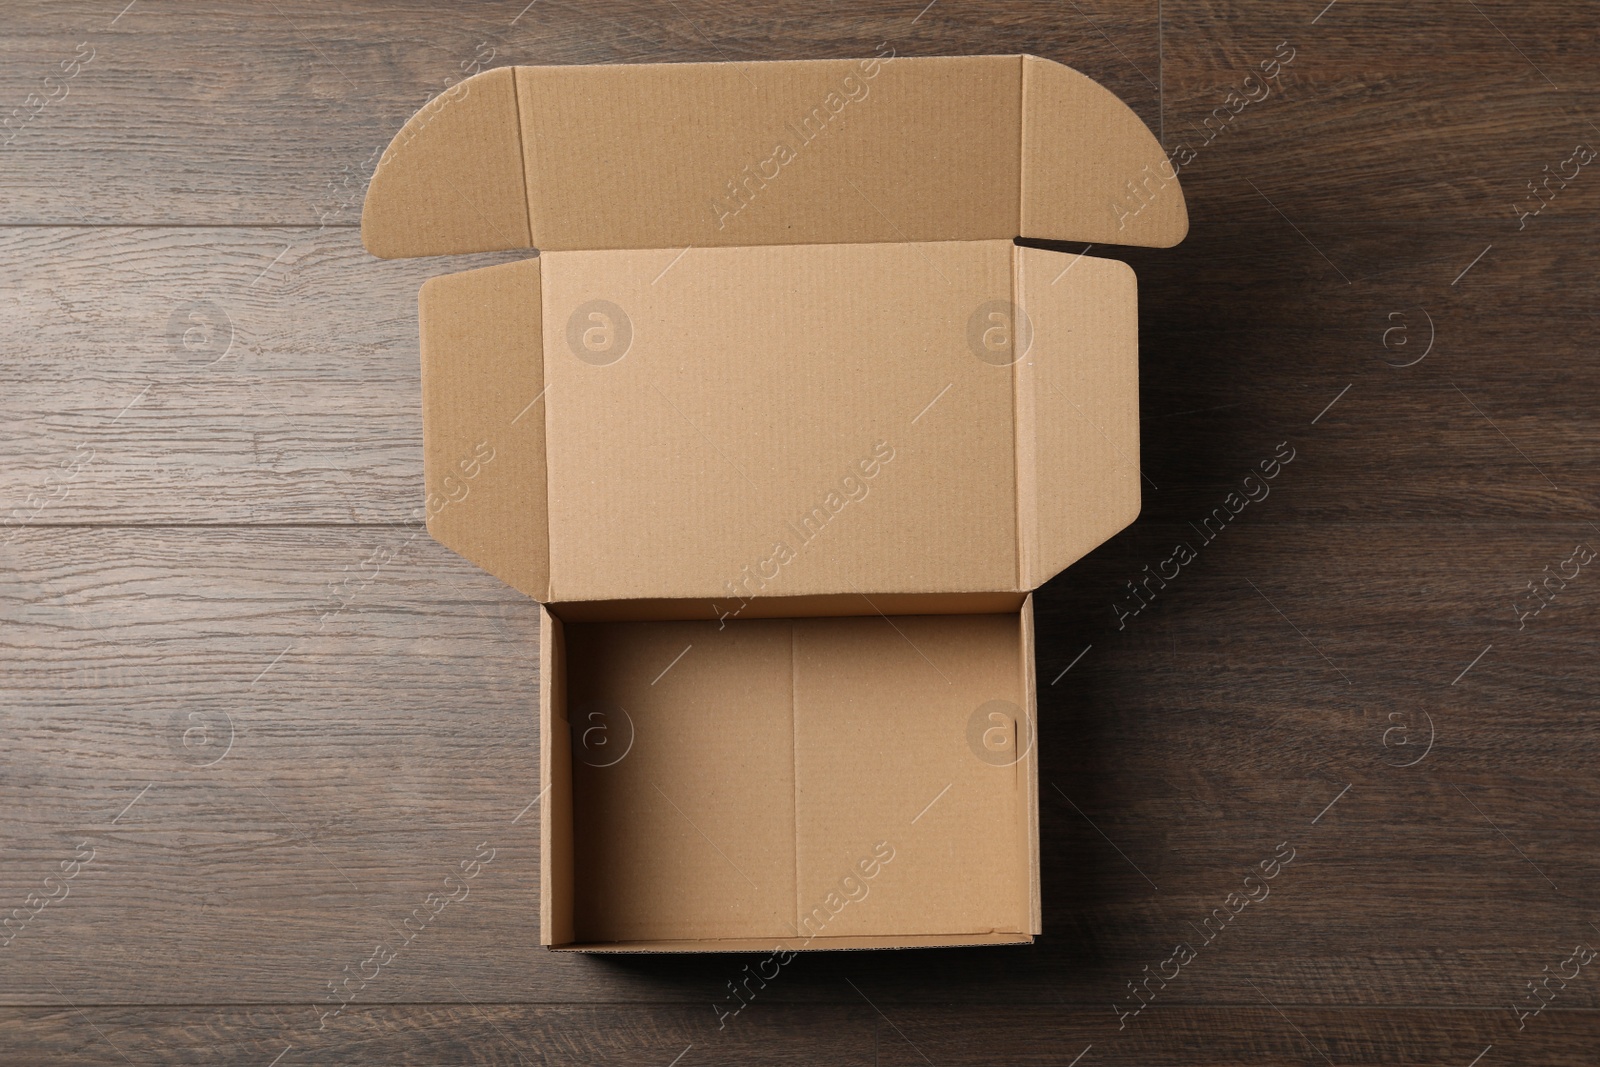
column 1078, row 400
column 483, row 421
column 556, row 866
column 810, row 152
column 1091, row 170
column 451, row 180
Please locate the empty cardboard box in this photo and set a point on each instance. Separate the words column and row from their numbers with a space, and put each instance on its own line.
column 781, row 428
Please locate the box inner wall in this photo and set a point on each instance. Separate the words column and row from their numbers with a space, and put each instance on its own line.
column 782, row 778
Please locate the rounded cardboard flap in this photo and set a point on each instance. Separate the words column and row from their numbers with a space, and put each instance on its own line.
column 1091, row 169
column 451, row 181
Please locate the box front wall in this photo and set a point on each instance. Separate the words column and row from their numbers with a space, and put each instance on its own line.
column 818, row 782
column 778, row 421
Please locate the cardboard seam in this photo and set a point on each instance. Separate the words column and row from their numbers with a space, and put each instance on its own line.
column 544, row 422
column 1022, row 136
column 1016, row 432
column 1032, row 920
column 1023, row 519
column 522, row 157
column 1024, row 485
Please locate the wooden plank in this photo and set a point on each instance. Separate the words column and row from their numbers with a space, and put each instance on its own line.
column 474, row 1030
column 1257, row 1027
column 1253, row 1028
column 274, row 114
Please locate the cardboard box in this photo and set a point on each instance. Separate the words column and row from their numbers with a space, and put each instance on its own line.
column 781, row 428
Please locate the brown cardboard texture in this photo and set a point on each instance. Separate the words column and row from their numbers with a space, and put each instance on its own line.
column 782, row 427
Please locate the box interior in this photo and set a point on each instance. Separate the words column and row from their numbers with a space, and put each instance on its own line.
column 800, row 780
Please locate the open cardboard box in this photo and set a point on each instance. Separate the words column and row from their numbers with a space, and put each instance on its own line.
column 781, row 428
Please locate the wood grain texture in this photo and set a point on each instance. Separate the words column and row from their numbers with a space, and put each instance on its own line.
column 277, row 748
column 1390, row 112
column 471, row 1031
column 1254, row 1029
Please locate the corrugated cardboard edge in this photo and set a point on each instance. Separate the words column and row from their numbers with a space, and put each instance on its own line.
column 556, row 860
column 1024, row 435
column 1028, row 772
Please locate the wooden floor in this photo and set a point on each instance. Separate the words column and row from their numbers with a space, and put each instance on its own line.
column 242, row 769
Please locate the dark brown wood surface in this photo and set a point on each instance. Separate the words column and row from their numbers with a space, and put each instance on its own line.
column 269, row 778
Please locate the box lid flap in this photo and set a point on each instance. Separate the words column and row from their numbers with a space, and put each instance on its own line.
column 814, row 151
